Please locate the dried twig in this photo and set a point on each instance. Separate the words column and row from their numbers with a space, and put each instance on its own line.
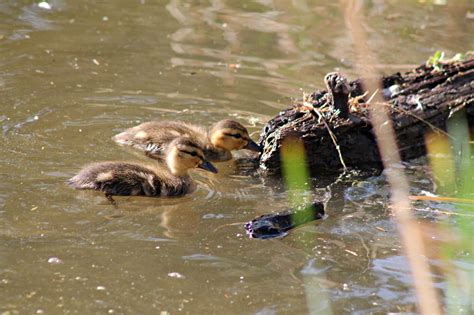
column 433, row 127
column 332, row 135
column 442, row 199
column 411, row 235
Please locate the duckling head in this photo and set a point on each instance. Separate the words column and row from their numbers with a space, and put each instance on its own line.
column 184, row 154
column 231, row 135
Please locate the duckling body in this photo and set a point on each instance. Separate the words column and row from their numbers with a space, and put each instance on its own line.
column 133, row 179
column 153, row 138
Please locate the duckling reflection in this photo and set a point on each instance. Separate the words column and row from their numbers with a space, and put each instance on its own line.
column 133, row 179
column 153, row 137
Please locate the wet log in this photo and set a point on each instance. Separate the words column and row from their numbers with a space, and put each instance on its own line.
column 278, row 224
column 334, row 125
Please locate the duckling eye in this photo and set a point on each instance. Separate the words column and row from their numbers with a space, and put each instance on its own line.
column 236, row 136
column 192, row 153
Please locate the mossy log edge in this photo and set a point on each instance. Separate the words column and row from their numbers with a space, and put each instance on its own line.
column 419, row 100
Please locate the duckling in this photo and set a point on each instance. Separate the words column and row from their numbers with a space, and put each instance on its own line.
column 153, row 138
column 133, row 179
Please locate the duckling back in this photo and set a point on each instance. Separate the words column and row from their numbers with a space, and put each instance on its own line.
column 154, row 137
column 129, row 179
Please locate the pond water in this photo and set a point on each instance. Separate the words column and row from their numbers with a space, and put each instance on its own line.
column 74, row 73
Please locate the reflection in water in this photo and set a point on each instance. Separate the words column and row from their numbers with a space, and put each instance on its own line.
column 73, row 76
column 234, row 25
column 35, row 17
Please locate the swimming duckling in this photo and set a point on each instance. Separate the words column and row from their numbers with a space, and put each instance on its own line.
column 153, row 138
column 132, row 179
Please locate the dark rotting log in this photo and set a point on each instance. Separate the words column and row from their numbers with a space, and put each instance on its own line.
column 278, row 224
column 418, row 101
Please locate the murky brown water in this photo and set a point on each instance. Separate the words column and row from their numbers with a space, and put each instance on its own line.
column 74, row 75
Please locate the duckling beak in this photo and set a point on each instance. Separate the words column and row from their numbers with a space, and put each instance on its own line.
column 252, row 146
column 206, row 165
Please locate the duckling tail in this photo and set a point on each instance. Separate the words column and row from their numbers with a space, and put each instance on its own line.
column 122, row 138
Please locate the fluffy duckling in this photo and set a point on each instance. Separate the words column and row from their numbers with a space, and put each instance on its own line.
column 131, row 179
column 153, row 138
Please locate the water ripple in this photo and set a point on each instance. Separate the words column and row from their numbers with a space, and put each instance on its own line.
column 201, row 257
